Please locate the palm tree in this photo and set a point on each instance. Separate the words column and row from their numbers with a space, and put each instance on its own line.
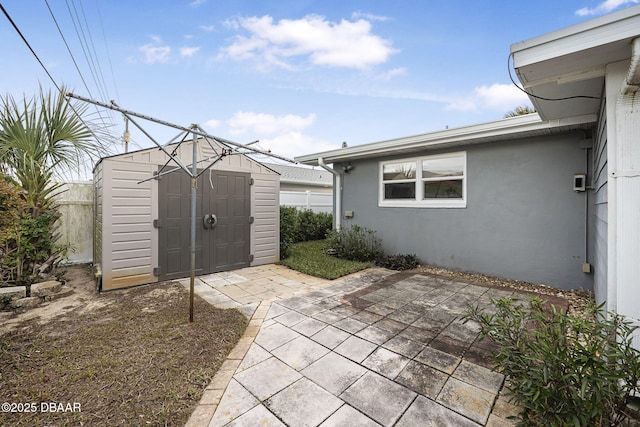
column 520, row 111
column 40, row 137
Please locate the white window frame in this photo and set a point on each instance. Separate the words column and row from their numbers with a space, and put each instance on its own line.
column 418, row 202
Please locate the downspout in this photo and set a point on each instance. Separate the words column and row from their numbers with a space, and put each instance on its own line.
column 627, row 97
column 337, row 192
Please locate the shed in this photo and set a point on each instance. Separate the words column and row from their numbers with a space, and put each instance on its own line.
column 142, row 229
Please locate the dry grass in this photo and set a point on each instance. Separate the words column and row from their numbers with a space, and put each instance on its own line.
column 134, row 360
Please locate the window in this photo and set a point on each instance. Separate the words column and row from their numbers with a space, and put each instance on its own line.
column 399, row 180
column 440, row 182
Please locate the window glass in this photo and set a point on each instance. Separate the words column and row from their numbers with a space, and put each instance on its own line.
column 399, row 171
column 444, row 166
column 400, row 190
column 443, row 189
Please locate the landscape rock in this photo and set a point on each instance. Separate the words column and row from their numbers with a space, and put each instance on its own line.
column 28, row 302
column 45, row 289
column 13, row 292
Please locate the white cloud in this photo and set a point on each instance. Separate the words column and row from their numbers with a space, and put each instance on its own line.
column 155, row 53
column 349, row 44
column 369, row 16
column 388, row 75
column 604, row 7
column 294, row 143
column 501, row 97
column 212, row 123
column 189, row 51
column 261, row 123
column 207, row 28
column 196, row 3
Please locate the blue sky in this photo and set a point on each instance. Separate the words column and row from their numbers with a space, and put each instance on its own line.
column 301, row 76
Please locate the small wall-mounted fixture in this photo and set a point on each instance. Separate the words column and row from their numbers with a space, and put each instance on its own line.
column 348, row 214
column 579, row 182
column 347, row 168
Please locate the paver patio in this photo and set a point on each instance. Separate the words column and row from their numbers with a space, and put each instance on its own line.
column 377, row 348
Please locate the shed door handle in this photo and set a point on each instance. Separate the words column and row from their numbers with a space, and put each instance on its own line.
column 209, row 221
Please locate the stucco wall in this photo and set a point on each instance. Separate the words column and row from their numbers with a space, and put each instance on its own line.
column 522, row 221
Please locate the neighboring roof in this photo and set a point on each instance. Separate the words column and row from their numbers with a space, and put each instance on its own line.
column 571, row 62
column 506, row 129
column 299, row 175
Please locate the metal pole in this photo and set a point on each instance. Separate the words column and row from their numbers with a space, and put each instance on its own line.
column 195, row 130
column 194, row 184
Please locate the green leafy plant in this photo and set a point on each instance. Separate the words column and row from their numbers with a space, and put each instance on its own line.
column 311, row 258
column 301, row 226
column 31, row 249
column 563, row 370
column 398, row 262
column 355, row 243
column 287, row 229
column 313, row 225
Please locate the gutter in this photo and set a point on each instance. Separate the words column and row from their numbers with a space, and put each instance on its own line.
column 337, row 191
column 632, row 82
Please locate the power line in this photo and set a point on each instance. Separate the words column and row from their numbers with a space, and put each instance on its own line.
column 15, row 27
column 106, row 46
column 35, row 55
column 541, row 97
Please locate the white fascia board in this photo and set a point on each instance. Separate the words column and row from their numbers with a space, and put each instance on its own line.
column 519, row 126
column 597, row 32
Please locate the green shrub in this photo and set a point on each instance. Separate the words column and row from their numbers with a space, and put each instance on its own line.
column 288, row 219
column 355, row 243
column 30, row 248
column 563, row 370
column 301, row 226
column 312, row 225
column 398, row 262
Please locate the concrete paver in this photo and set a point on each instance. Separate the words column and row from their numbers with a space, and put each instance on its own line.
column 334, row 372
column 379, row 398
column 304, row 404
column 427, row 413
column 374, row 348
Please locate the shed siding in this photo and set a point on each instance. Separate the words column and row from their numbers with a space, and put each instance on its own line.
column 98, row 216
column 125, row 210
column 522, row 221
column 128, row 250
column 265, row 245
column 600, row 187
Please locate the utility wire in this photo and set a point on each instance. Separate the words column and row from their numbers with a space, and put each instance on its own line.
column 35, row 55
column 541, row 97
column 75, row 63
column 106, row 46
column 29, row 46
column 93, row 48
column 85, row 47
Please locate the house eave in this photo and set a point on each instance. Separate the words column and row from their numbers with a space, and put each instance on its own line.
column 507, row 129
column 563, row 71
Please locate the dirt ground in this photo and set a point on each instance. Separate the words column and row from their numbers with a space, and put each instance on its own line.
column 118, row 358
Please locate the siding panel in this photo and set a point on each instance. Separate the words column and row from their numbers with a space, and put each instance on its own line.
column 600, row 185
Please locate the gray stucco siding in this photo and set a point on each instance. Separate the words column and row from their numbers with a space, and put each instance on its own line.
column 522, row 220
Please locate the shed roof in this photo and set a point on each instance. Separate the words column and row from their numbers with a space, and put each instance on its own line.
column 506, row 129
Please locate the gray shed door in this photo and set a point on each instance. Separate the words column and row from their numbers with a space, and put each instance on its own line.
column 222, row 243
